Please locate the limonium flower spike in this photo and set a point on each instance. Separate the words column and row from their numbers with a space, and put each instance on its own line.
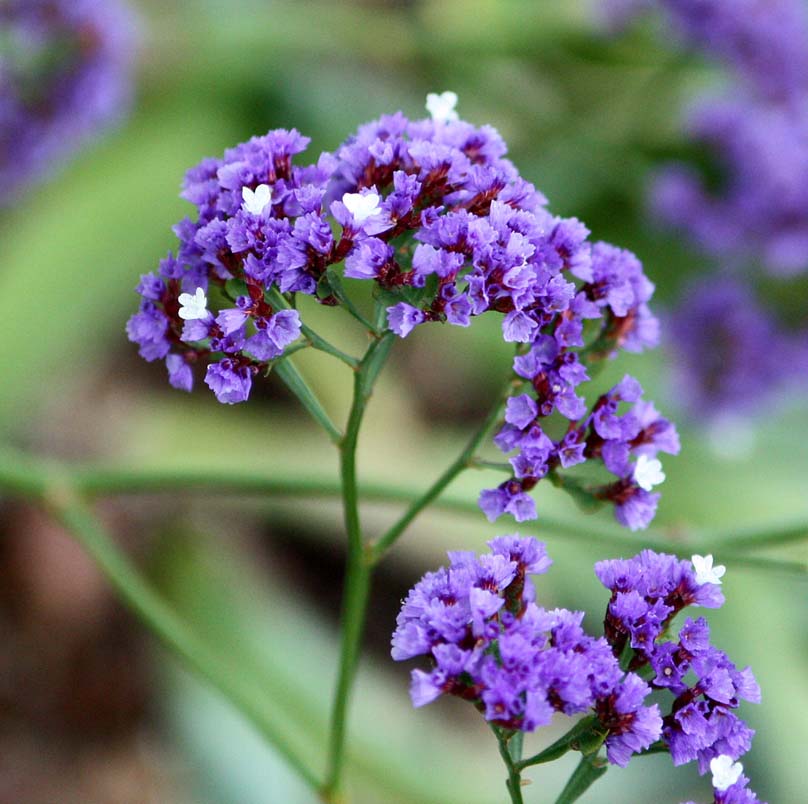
column 490, row 642
column 441, row 223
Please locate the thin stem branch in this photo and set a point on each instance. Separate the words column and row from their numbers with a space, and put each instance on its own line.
column 561, row 746
column 514, row 782
column 299, row 387
column 377, row 549
column 317, row 341
column 589, row 770
column 358, row 572
column 335, row 282
column 751, row 539
column 247, row 696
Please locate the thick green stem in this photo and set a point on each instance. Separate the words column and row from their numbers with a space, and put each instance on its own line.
column 510, row 746
column 589, row 770
column 358, row 572
column 463, row 461
column 245, row 694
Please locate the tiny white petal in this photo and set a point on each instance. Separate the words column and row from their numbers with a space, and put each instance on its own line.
column 725, row 771
column 193, row 307
column 361, row 206
column 648, row 472
column 705, row 571
column 256, row 201
column 442, row 107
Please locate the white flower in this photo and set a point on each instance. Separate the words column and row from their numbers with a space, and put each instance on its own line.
column 361, row 206
column 648, row 472
column 442, row 107
column 193, row 307
column 256, row 202
column 725, row 771
column 705, row 571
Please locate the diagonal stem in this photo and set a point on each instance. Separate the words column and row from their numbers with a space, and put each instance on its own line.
column 294, row 381
column 589, row 770
column 245, row 694
column 510, row 746
column 377, row 549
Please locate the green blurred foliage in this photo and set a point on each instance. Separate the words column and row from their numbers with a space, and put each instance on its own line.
column 586, row 120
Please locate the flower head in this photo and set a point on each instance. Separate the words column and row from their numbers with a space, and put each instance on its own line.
column 442, row 107
column 362, row 206
column 706, row 572
column 725, row 771
column 434, row 214
column 256, row 201
column 648, row 472
column 193, row 307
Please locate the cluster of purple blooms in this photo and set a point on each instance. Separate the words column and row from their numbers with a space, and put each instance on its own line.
column 763, row 42
column 490, row 643
column 440, row 221
column 727, row 343
column 65, row 75
column 757, row 129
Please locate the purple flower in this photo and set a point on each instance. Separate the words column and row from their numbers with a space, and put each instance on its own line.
column 148, row 329
column 403, row 318
column 230, row 382
column 368, row 258
column 440, row 221
column 724, row 344
column 632, row 726
column 179, row 373
column 65, row 77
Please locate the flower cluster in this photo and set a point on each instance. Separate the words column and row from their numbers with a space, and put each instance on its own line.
column 727, row 343
column 64, row 75
column 440, row 221
column 605, row 433
column 490, row 643
column 765, row 43
column 760, row 210
column 756, row 216
column 648, row 591
column 758, row 132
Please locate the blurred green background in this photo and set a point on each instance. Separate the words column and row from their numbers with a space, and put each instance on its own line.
column 82, row 686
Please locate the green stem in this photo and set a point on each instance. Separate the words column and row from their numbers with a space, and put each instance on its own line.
column 561, row 746
column 386, row 541
column 247, row 696
column 507, row 751
column 300, row 388
column 20, row 472
column 358, row 572
column 751, row 539
column 317, row 341
column 335, row 282
column 589, row 770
